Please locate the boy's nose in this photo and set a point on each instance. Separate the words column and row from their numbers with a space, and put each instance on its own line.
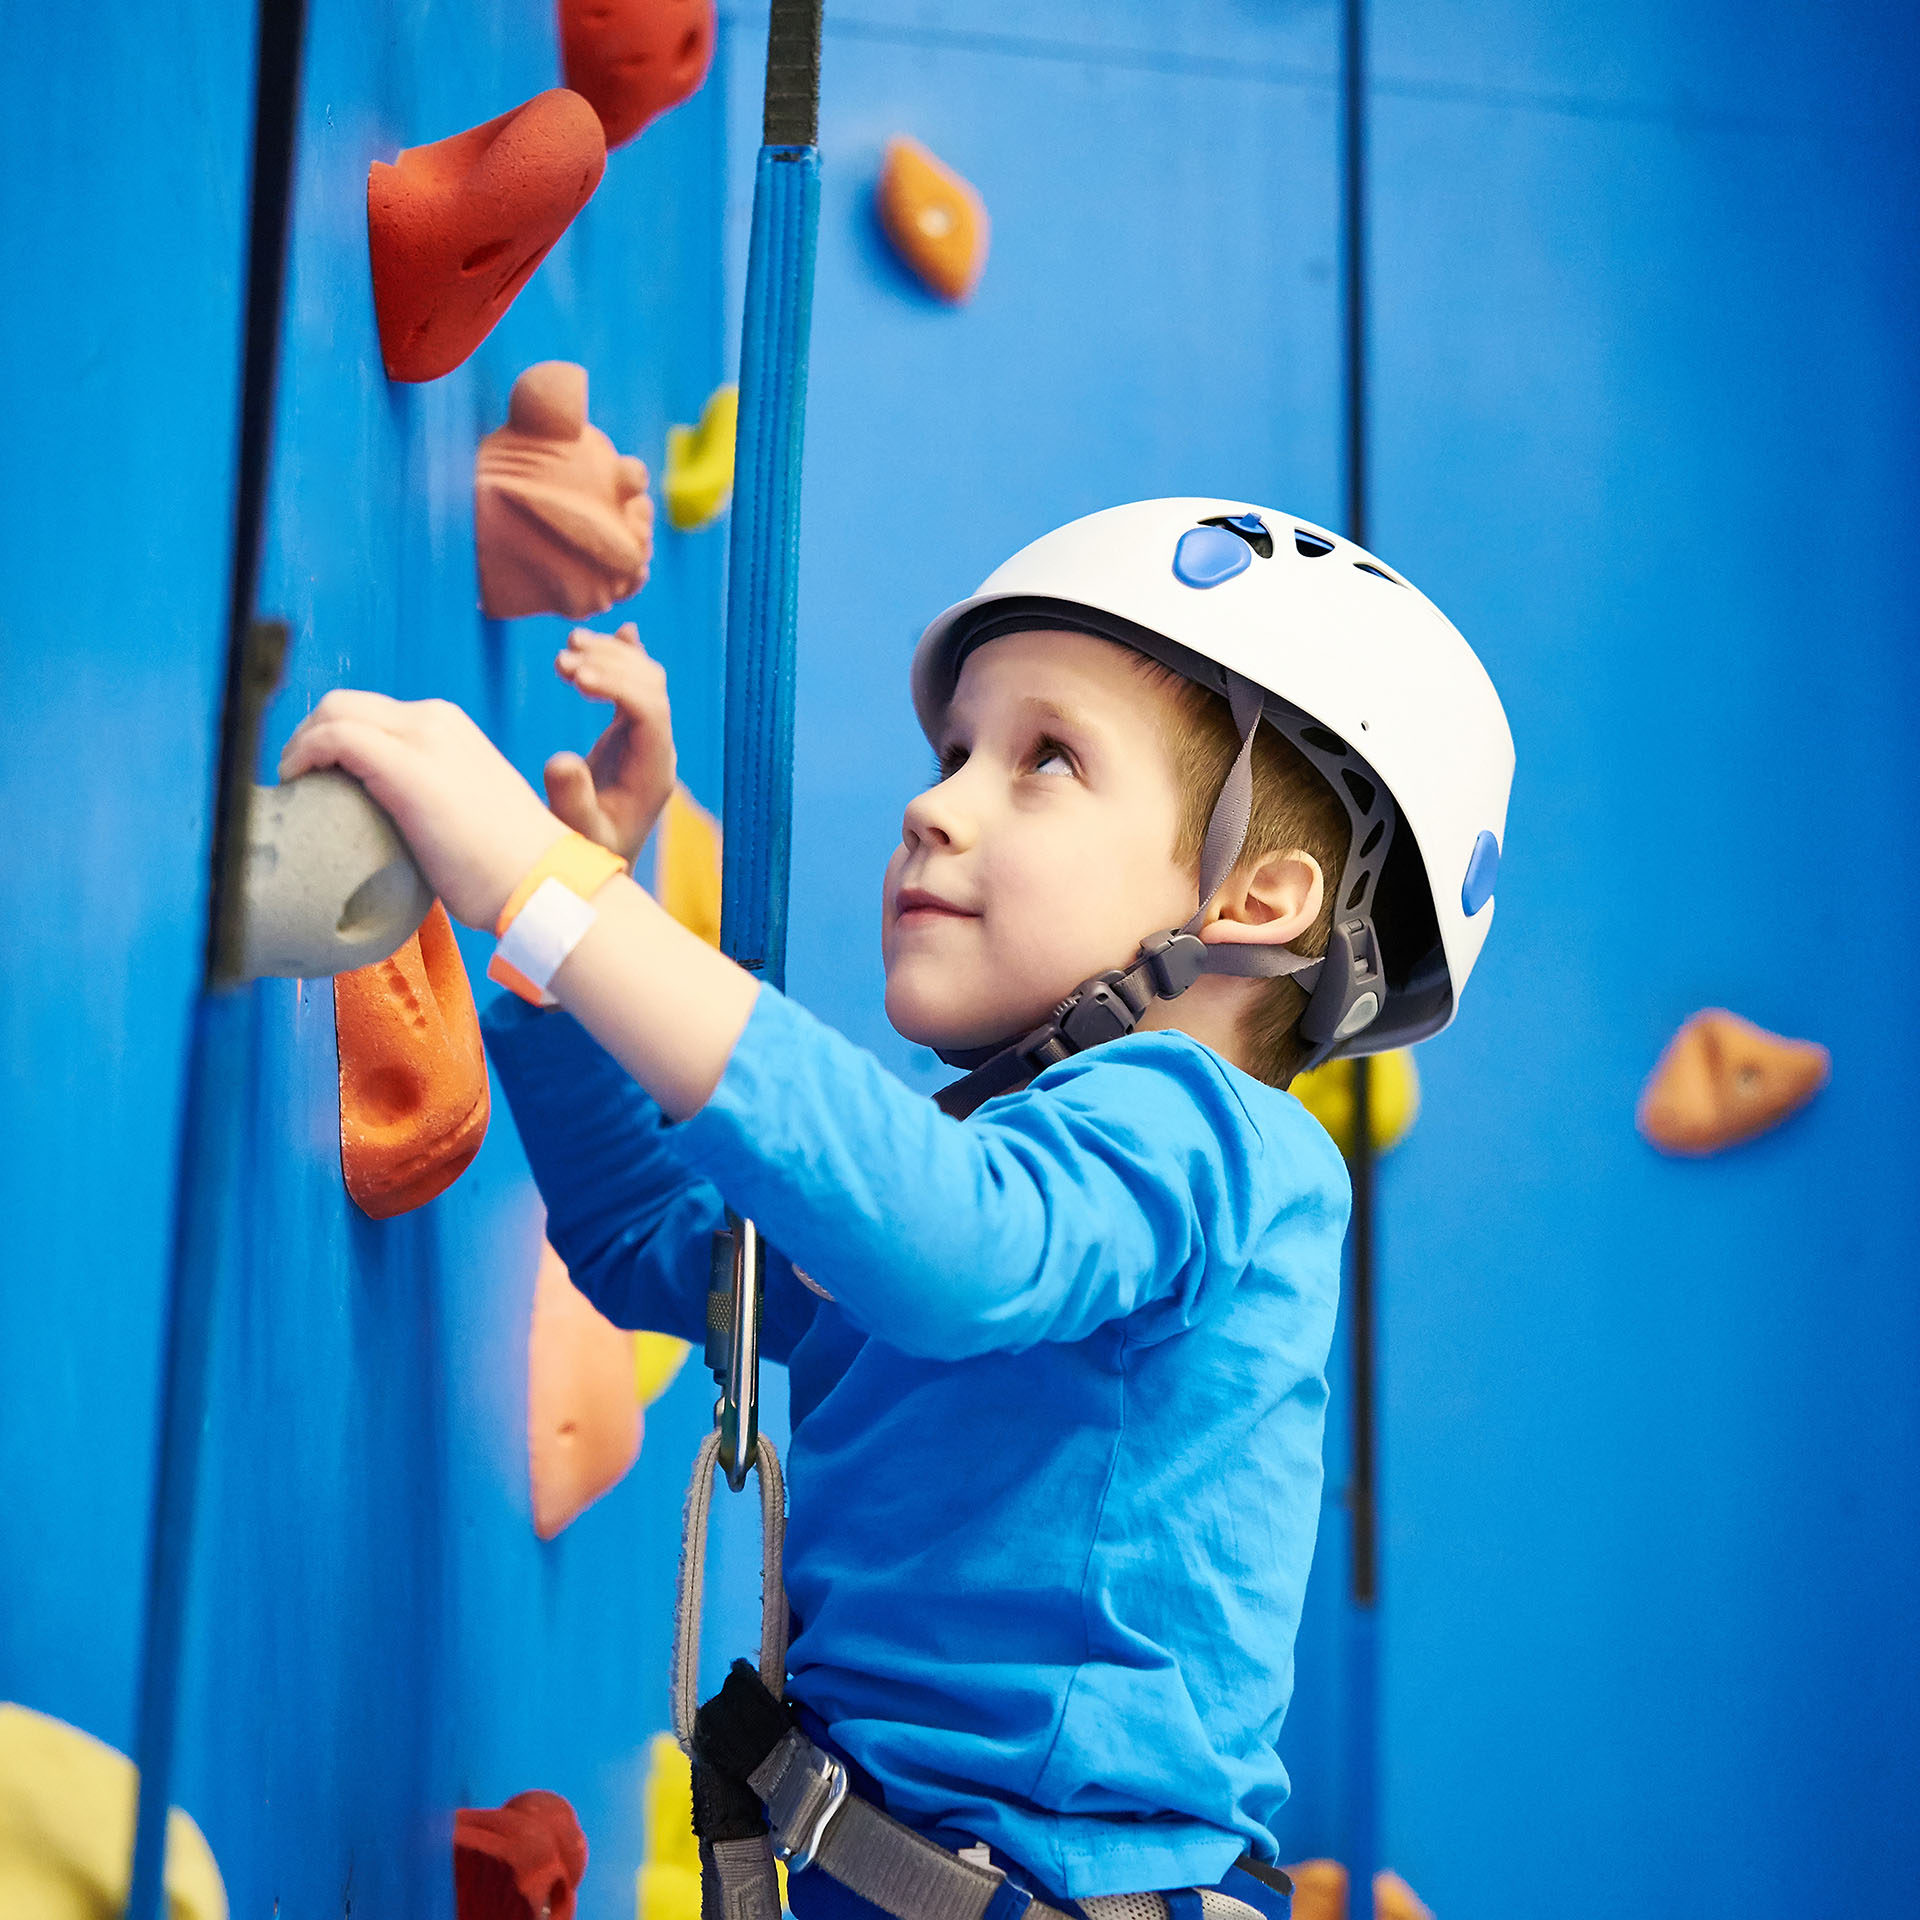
column 936, row 819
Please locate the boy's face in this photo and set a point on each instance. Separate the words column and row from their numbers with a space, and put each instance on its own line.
column 1045, row 853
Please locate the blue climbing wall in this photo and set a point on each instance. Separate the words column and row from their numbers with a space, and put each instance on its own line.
column 1644, row 419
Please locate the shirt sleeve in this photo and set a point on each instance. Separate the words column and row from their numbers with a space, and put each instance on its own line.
column 1126, row 1183
column 632, row 1220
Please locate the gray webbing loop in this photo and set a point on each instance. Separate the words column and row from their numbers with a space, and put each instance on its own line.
column 693, row 1580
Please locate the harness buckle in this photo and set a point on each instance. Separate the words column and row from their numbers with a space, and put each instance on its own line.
column 810, row 1790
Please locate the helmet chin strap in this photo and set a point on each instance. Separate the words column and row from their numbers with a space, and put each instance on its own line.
column 1112, row 1004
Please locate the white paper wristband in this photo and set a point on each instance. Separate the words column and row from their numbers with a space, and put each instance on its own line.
column 548, row 928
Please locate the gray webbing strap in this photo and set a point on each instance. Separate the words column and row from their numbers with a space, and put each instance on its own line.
column 869, row 1851
column 693, row 1581
column 1227, row 826
column 1249, row 961
column 737, row 1880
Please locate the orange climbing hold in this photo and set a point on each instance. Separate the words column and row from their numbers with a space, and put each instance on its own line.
column 562, row 521
column 935, row 219
column 583, row 1414
column 413, row 1075
column 1320, row 1893
column 522, row 1861
column 1723, row 1080
column 455, row 229
column 633, row 59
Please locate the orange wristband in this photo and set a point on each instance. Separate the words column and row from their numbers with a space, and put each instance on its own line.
column 573, row 865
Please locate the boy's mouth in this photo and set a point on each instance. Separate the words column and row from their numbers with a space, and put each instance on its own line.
column 916, row 903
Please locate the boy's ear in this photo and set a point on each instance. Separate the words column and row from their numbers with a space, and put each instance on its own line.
column 1269, row 902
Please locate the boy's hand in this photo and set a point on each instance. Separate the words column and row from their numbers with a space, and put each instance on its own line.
column 615, row 794
column 473, row 824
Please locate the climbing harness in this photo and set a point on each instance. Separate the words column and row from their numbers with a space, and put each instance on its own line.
column 745, row 1738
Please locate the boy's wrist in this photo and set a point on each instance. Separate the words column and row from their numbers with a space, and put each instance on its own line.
column 548, row 912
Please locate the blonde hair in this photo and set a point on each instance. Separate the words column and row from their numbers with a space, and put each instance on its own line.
column 1294, row 810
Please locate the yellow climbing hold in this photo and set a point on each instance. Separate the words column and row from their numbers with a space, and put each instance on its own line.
column 657, row 1357
column 699, row 475
column 686, row 871
column 667, row 1887
column 66, row 1829
column 1327, row 1093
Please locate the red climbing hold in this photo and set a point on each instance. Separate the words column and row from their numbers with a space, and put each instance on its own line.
column 455, row 229
column 413, row 1072
column 522, row 1861
column 633, row 59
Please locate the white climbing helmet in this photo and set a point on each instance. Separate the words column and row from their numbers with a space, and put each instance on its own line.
column 1359, row 669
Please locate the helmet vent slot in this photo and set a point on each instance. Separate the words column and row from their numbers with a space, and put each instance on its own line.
column 1379, row 573
column 1372, row 840
column 1250, row 527
column 1359, row 887
column 1321, row 738
column 1310, row 546
column 1360, row 787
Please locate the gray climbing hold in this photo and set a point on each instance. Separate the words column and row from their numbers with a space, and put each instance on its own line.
column 330, row 883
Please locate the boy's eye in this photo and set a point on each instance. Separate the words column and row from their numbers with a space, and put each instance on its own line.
column 951, row 760
column 1050, row 757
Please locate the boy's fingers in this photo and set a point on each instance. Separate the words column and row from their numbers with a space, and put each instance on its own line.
column 357, row 704
column 625, row 641
column 570, row 792
column 373, row 754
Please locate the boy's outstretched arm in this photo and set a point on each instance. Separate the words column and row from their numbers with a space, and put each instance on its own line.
column 1040, row 1219
column 658, row 998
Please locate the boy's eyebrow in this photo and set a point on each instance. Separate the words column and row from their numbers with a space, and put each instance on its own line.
column 1050, row 710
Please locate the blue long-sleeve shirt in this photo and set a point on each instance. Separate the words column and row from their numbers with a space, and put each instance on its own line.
column 1055, row 1469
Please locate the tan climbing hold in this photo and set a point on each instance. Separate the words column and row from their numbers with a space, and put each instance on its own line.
column 583, row 1414
column 413, row 1074
column 66, row 1829
column 562, row 521
column 935, row 219
column 699, row 479
column 1722, row 1080
column 330, row 883
column 455, row 229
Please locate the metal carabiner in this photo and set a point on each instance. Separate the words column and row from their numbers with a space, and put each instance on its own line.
column 733, row 1344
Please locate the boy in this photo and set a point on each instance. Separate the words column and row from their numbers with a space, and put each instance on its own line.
column 1057, row 1372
